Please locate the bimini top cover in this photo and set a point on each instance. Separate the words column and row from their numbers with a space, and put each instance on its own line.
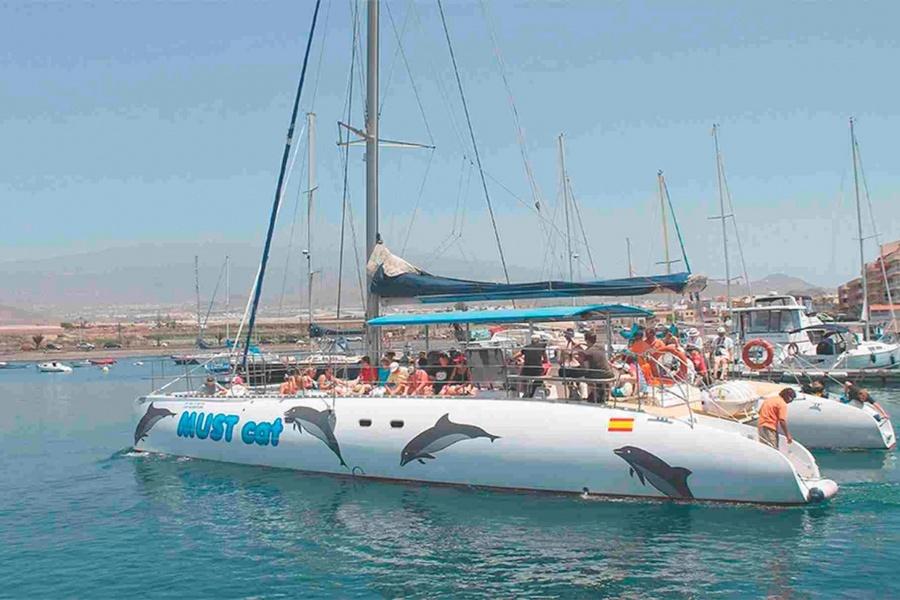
column 394, row 278
column 514, row 315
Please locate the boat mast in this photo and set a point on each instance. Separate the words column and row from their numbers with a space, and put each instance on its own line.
column 565, row 198
column 197, row 292
column 722, row 216
column 227, row 294
column 864, row 313
column 628, row 256
column 665, row 231
column 311, row 179
column 373, row 339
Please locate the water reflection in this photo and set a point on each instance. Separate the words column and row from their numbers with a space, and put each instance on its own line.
column 406, row 537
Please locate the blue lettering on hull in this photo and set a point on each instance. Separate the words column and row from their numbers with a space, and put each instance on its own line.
column 218, row 427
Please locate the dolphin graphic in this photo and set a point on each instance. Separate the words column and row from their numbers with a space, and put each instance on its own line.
column 434, row 439
column 150, row 419
column 318, row 423
column 671, row 481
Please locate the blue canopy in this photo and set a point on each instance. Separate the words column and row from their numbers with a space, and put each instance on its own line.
column 429, row 288
column 514, row 315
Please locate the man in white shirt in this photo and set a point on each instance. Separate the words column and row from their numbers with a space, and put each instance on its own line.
column 723, row 354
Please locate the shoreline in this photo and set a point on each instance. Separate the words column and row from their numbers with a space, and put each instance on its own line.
column 37, row 356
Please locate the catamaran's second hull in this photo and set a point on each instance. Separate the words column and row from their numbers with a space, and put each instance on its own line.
column 508, row 444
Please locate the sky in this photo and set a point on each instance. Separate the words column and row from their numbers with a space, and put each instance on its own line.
column 163, row 122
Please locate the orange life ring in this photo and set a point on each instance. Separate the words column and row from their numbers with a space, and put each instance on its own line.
column 666, row 375
column 758, row 365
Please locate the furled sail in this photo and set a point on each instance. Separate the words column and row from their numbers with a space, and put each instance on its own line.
column 395, row 278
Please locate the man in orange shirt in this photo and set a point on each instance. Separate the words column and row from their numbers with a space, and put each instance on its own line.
column 773, row 413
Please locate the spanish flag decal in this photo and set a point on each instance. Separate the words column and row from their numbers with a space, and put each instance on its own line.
column 620, row 424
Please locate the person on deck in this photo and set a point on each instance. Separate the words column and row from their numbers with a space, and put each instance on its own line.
column 368, row 374
column 289, row 387
column 853, row 393
column 595, row 365
column 693, row 338
column 533, row 357
column 418, row 383
column 772, row 415
column 212, row 387
column 328, row 381
column 397, row 381
column 440, row 373
column 723, row 354
column 384, row 370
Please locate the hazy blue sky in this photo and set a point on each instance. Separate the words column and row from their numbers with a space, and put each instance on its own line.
column 135, row 122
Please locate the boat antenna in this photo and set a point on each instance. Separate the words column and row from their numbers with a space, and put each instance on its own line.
column 864, row 314
column 257, row 288
column 197, row 291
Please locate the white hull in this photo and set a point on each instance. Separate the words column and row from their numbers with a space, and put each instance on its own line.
column 821, row 422
column 54, row 368
column 494, row 443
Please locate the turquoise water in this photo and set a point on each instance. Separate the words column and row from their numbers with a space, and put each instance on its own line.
column 81, row 516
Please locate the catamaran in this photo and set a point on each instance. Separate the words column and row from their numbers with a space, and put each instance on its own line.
column 494, row 439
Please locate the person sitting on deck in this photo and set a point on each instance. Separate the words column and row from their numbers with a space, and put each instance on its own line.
column 440, row 373
column 693, row 338
column 853, row 393
column 723, row 354
column 367, row 373
column 418, row 383
column 383, row 371
column 670, row 339
column 212, row 387
column 814, row 388
column 328, row 381
column 460, row 378
column 699, row 363
column 397, row 381
column 595, row 365
column 772, row 414
column 289, row 387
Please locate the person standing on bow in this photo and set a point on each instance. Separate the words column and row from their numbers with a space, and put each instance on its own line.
column 772, row 415
column 723, row 354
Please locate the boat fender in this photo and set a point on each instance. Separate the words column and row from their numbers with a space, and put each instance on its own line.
column 768, row 357
column 816, row 495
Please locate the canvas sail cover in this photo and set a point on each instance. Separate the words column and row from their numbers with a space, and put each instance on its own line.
column 395, row 278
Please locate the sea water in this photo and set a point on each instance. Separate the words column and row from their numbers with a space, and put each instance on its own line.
column 81, row 516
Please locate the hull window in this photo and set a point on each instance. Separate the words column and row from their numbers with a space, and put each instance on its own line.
column 396, row 424
column 365, row 422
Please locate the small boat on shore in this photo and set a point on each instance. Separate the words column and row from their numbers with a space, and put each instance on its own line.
column 102, row 362
column 54, row 367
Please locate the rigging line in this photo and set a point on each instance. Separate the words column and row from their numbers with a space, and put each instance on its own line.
column 442, row 91
column 345, row 155
column 357, row 255
column 321, row 55
column 737, row 235
column 390, row 71
column 415, row 211
column 279, row 189
column 587, row 246
column 875, row 234
column 213, row 297
column 520, row 134
column 687, row 265
column 287, row 259
column 524, row 203
column 412, row 80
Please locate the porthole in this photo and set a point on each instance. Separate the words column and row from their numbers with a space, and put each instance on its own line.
column 365, row 422
column 396, row 424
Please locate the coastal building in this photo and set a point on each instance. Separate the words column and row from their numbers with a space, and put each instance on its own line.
column 850, row 294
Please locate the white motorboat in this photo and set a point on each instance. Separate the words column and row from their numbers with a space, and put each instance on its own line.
column 802, row 342
column 54, row 367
